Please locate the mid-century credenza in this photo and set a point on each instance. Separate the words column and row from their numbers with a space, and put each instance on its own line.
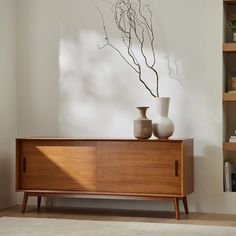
column 105, row 168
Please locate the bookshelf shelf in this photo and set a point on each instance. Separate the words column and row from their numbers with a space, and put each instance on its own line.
column 229, row 146
column 229, row 97
column 229, row 47
column 230, row 1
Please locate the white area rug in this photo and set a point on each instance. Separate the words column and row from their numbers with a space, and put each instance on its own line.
column 10, row 226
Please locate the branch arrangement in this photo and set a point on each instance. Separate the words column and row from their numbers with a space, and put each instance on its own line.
column 133, row 26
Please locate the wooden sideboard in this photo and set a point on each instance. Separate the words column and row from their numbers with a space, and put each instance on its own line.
column 105, row 168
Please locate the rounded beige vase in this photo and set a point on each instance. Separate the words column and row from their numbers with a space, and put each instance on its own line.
column 142, row 125
column 163, row 126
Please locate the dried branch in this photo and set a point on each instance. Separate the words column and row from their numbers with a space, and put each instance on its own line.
column 111, row 45
column 133, row 25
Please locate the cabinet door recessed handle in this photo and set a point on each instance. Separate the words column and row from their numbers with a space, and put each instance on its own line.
column 176, row 168
column 24, row 165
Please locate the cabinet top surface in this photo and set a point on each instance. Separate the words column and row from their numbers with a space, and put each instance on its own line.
column 102, row 139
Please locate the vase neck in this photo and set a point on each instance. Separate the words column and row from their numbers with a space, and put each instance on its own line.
column 142, row 112
column 162, row 106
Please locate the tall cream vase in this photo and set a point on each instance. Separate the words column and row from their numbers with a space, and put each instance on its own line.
column 163, row 126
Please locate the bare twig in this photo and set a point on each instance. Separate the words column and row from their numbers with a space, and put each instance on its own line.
column 133, row 25
column 111, row 45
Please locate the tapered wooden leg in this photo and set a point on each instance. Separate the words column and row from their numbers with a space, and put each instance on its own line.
column 25, row 199
column 176, row 203
column 185, row 204
column 39, row 202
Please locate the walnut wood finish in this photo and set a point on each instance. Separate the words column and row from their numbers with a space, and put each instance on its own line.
column 185, row 205
column 104, row 168
column 176, row 203
column 229, row 146
column 144, row 168
column 64, row 165
column 229, row 97
column 229, row 47
column 25, row 199
column 187, row 184
column 230, row 1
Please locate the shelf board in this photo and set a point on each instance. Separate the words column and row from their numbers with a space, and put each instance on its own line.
column 229, row 97
column 229, row 47
column 229, row 146
column 230, row 1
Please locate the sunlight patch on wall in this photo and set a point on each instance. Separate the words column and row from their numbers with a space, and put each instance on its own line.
column 99, row 91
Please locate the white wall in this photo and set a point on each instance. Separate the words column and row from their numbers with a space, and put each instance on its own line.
column 68, row 87
column 37, row 50
column 8, row 108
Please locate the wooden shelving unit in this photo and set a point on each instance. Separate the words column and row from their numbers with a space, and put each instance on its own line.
column 229, row 97
column 229, row 146
column 229, row 47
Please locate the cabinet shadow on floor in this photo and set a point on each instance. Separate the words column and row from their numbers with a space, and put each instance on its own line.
column 121, row 215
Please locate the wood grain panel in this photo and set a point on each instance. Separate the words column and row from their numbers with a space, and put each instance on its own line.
column 104, row 168
column 187, row 167
column 229, row 97
column 18, row 167
column 227, row 146
column 229, row 47
column 58, row 165
column 143, row 167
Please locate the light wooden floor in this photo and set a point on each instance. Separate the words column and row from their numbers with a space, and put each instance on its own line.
column 121, row 215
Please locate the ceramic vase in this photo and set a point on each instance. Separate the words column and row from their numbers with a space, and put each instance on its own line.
column 142, row 125
column 234, row 36
column 163, row 126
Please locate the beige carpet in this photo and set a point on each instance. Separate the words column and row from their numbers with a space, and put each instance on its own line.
column 10, row 226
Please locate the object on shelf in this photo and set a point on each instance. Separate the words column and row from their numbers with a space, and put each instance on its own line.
column 142, row 125
column 228, row 170
column 233, row 182
column 232, row 84
column 232, row 26
column 163, row 127
column 232, row 139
